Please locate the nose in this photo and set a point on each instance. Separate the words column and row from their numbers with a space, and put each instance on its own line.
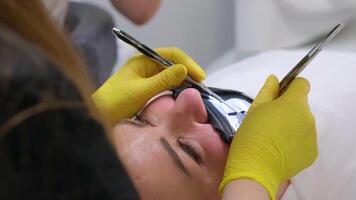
column 189, row 107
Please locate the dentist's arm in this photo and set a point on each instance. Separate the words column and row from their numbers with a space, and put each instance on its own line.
column 138, row 11
column 276, row 140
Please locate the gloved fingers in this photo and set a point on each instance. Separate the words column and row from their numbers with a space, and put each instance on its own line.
column 297, row 90
column 268, row 92
column 142, row 66
column 167, row 78
column 178, row 56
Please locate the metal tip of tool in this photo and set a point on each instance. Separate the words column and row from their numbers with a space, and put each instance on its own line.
column 327, row 39
column 307, row 58
column 115, row 30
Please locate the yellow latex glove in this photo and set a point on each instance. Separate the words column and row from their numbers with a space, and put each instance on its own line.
column 276, row 140
column 126, row 92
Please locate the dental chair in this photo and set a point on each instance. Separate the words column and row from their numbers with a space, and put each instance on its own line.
column 90, row 29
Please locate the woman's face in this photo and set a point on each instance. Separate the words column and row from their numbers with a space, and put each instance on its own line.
column 171, row 151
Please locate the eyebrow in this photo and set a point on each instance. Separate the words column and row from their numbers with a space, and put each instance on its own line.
column 177, row 161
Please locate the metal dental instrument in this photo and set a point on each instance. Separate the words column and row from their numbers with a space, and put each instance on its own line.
column 156, row 57
column 307, row 58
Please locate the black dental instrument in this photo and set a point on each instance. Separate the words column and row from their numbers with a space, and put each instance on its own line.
column 156, row 57
column 307, row 58
column 226, row 108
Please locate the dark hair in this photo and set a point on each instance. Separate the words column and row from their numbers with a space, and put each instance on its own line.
column 31, row 21
column 51, row 145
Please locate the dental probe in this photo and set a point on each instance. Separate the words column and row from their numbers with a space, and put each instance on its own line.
column 307, row 58
column 156, row 57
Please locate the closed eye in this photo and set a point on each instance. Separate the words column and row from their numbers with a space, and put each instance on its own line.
column 190, row 151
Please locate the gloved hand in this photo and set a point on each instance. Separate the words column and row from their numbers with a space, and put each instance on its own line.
column 126, row 92
column 277, row 138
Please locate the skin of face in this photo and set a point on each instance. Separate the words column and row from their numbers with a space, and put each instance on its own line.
column 167, row 131
column 173, row 125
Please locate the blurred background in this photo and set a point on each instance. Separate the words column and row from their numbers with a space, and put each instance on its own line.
column 219, row 32
column 202, row 28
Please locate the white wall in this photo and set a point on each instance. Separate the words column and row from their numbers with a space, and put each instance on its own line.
column 203, row 28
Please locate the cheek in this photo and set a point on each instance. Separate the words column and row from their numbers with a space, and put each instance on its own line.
column 216, row 154
column 135, row 147
column 215, row 149
column 140, row 149
column 143, row 151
